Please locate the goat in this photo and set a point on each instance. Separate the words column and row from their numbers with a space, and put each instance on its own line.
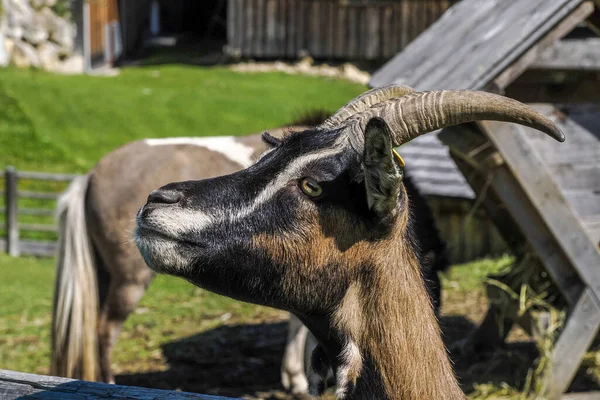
column 319, row 226
column 100, row 273
column 97, row 256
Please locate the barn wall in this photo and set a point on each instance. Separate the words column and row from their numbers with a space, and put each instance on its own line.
column 469, row 233
column 331, row 29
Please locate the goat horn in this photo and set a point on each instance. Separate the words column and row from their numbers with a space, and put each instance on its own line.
column 415, row 114
column 364, row 102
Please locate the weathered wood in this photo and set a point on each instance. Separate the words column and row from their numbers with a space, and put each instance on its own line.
column 572, row 54
column 547, row 198
column 571, row 19
column 11, row 202
column 46, row 176
column 518, row 221
column 579, row 332
column 36, row 211
column 490, row 37
column 38, row 195
column 38, row 227
column 328, row 28
column 19, row 385
column 582, row 396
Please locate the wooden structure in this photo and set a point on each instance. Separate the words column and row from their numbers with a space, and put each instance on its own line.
column 18, row 385
column 40, row 238
column 330, row 29
column 542, row 193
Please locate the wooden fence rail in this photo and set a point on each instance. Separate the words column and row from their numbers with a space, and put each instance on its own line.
column 14, row 244
column 19, row 385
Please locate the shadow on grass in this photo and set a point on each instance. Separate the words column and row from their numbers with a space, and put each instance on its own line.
column 245, row 360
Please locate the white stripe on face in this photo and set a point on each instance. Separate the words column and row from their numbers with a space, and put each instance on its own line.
column 177, row 222
column 226, row 145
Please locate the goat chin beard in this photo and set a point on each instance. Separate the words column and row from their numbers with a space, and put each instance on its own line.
column 161, row 255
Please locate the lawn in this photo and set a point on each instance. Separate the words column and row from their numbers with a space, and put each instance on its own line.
column 67, row 123
column 56, row 123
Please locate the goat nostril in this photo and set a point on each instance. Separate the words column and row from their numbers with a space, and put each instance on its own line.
column 165, row 197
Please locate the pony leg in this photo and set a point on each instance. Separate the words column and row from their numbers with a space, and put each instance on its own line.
column 121, row 300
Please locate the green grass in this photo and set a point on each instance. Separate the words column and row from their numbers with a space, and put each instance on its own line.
column 170, row 309
column 67, row 123
column 56, row 123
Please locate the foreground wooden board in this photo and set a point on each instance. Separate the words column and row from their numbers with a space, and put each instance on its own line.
column 19, row 385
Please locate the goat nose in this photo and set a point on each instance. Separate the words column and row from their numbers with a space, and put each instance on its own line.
column 165, row 197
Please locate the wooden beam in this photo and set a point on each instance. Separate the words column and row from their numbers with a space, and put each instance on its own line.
column 574, row 54
column 577, row 336
column 18, row 385
column 506, row 75
column 547, row 198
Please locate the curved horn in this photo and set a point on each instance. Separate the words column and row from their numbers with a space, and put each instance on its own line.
column 415, row 114
column 365, row 101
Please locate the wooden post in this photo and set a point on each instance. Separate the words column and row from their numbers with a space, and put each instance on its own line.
column 12, row 227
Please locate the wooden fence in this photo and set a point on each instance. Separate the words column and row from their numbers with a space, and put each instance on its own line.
column 332, row 29
column 14, row 244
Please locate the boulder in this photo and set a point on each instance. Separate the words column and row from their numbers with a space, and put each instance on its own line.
column 37, row 31
column 70, row 66
column 4, row 54
column 19, row 18
column 60, row 30
column 24, row 55
column 49, row 54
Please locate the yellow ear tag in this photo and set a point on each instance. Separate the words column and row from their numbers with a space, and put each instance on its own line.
column 398, row 158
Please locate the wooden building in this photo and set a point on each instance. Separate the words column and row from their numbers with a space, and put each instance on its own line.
column 327, row 29
column 539, row 193
column 267, row 29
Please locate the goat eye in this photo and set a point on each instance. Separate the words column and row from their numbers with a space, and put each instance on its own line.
column 310, row 187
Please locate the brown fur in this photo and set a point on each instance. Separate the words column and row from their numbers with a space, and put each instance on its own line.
column 383, row 279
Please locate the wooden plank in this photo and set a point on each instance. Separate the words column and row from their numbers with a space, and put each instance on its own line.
column 36, row 211
column 576, row 176
column 509, row 73
column 249, row 47
column 547, row 198
column 38, row 195
column 514, row 216
column 259, row 28
column 271, row 28
column 582, row 396
column 38, row 227
column 473, row 42
column 585, row 202
column 372, row 42
column 577, row 336
column 572, row 54
column 15, row 385
column 46, row 176
column 10, row 218
column 341, row 39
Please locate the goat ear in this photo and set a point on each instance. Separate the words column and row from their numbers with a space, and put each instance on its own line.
column 382, row 175
column 270, row 140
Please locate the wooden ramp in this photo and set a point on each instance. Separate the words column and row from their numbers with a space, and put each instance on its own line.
column 537, row 191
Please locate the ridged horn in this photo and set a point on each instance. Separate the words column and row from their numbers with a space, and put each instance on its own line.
column 415, row 114
column 365, row 101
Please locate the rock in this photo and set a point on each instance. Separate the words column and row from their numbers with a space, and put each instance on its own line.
column 49, row 54
column 70, row 66
column 4, row 54
column 24, row 55
column 38, row 4
column 61, row 31
column 37, row 32
column 18, row 19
